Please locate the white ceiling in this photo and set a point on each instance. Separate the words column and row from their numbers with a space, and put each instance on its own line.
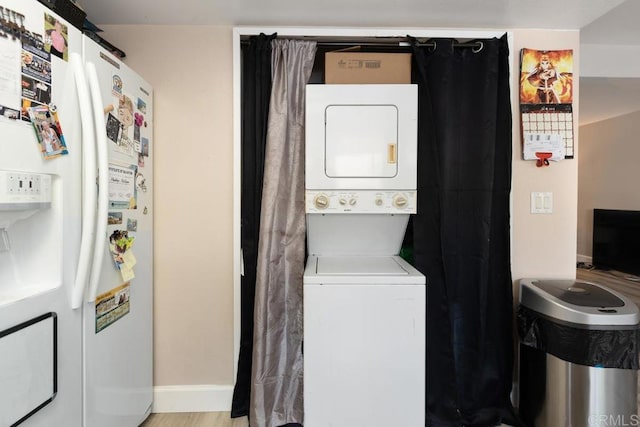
column 604, row 98
column 569, row 14
column 601, row 22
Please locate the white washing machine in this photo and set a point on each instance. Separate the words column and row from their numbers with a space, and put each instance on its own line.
column 364, row 342
column 364, row 306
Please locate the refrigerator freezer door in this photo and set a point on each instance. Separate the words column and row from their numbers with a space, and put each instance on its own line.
column 118, row 347
column 39, row 255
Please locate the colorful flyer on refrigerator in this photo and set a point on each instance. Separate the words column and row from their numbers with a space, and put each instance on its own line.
column 47, row 127
column 56, row 37
column 112, row 306
column 546, row 97
column 122, row 187
column 33, row 43
column 120, row 247
column 36, row 67
column 36, row 90
column 125, row 143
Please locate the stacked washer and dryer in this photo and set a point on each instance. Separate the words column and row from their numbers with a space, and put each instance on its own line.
column 364, row 306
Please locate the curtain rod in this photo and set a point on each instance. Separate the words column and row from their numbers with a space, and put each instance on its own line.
column 401, row 42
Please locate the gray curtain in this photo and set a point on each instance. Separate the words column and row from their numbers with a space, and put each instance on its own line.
column 276, row 390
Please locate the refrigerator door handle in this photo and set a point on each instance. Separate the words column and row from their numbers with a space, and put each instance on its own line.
column 89, row 190
column 103, row 181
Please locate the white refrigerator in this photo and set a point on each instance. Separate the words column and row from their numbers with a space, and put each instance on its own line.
column 76, row 218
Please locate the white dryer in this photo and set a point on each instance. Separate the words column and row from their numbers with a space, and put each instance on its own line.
column 360, row 148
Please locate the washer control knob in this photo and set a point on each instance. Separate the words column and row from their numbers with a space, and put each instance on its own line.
column 321, row 201
column 400, row 201
column 343, row 201
column 352, row 201
column 379, row 201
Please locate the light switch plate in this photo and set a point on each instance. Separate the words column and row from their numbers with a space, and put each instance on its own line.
column 541, row 202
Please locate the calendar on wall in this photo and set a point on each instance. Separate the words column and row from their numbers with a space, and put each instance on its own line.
column 546, row 97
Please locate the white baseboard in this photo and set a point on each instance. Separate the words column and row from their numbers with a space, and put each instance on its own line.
column 584, row 258
column 192, row 398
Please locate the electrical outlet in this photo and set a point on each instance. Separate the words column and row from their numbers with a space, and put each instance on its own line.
column 541, row 202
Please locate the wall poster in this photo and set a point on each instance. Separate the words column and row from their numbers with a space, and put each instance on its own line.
column 546, row 97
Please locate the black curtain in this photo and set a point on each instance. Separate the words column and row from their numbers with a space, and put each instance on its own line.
column 461, row 232
column 256, row 92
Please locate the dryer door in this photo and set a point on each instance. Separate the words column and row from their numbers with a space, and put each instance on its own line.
column 361, row 137
column 361, row 141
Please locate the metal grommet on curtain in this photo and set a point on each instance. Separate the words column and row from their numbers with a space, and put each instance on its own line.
column 479, row 47
column 434, row 47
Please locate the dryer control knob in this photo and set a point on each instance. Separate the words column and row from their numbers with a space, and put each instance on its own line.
column 400, row 201
column 321, row 201
column 352, row 202
column 343, row 201
column 379, row 201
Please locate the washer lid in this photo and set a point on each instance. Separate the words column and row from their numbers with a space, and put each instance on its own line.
column 359, row 266
column 361, row 270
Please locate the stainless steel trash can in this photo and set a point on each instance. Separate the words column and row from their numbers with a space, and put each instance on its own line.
column 578, row 357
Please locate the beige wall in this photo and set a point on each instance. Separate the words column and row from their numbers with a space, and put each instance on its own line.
column 544, row 245
column 191, row 70
column 609, row 172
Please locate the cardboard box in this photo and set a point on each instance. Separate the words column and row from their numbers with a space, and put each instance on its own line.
column 367, row 67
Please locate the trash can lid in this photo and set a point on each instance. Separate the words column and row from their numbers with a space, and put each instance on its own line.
column 583, row 304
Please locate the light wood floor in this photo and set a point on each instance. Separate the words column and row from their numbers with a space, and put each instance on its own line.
column 199, row 419
column 611, row 279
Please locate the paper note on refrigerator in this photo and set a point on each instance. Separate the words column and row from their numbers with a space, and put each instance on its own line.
column 129, row 259
column 10, row 78
column 122, row 188
column 126, row 272
column 126, row 268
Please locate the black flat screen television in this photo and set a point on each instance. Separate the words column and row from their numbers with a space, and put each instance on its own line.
column 616, row 240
